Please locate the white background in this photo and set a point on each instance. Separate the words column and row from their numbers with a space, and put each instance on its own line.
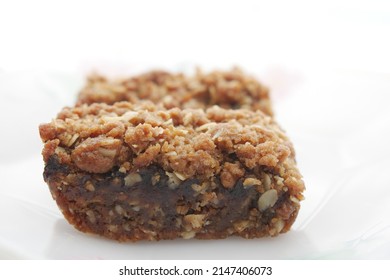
column 326, row 62
column 64, row 35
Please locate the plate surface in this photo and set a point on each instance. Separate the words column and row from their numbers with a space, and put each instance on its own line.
column 338, row 121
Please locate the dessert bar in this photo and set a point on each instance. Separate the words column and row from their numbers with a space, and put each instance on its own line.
column 141, row 171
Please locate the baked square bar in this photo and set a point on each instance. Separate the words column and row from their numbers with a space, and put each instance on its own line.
column 230, row 89
column 135, row 172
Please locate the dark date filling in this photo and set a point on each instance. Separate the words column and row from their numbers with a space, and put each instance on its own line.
column 150, row 207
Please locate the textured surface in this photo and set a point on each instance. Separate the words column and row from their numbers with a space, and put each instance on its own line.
column 229, row 89
column 133, row 172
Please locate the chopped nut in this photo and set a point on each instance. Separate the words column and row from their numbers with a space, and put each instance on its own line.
column 128, row 116
column 182, row 209
column 112, row 228
column 248, row 182
column 206, row 126
column 59, row 124
column 196, row 220
column 187, row 119
column 155, row 179
column 266, row 181
column 272, row 232
column 217, row 134
column 65, row 139
column 294, row 199
column 209, row 197
column 151, row 233
column 158, row 131
column 279, row 225
column 173, row 180
column 279, row 180
column 132, row 179
column 241, row 225
column 182, row 131
column 168, row 122
column 171, row 153
column 178, row 222
column 91, row 216
column 267, row 199
column 188, row 234
column 200, row 188
column 107, row 152
column 89, row 186
column 119, row 210
column 180, row 176
column 73, row 139
column 167, row 99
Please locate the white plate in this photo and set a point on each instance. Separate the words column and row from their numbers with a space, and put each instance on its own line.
column 338, row 120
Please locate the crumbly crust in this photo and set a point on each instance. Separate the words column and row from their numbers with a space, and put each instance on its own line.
column 230, row 89
column 133, row 171
column 189, row 142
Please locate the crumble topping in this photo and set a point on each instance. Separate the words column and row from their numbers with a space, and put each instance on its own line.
column 230, row 89
column 187, row 143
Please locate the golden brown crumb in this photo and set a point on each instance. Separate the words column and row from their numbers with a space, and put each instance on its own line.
column 187, row 142
column 231, row 172
column 230, row 89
